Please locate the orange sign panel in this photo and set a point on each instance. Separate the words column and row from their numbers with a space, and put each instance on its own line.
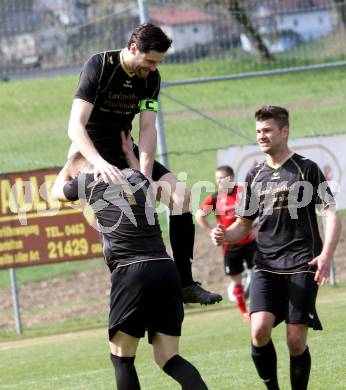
column 35, row 229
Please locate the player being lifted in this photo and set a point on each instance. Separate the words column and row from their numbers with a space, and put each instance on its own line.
column 114, row 86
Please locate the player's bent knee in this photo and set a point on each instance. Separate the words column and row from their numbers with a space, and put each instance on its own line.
column 296, row 345
column 162, row 357
column 261, row 335
column 296, row 338
column 261, row 328
column 164, row 348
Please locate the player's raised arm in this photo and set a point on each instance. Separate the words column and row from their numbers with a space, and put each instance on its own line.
column 147, row 142
column 127, row 147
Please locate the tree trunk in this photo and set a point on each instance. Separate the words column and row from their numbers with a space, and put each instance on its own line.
column 341, row 10
column 239, row 13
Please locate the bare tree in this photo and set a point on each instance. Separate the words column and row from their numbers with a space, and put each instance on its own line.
column 341, row 11
column 103, row 7
column 239, row 14
column 237, row 9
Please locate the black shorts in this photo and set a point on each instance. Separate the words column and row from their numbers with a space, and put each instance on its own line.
column 235, row 257
column 290, row 297
column 146, row 296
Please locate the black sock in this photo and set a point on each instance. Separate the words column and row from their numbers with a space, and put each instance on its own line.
column 300, row 370
column 265, row 362
column 182, row 238
column 125, row 373
column 184, row 373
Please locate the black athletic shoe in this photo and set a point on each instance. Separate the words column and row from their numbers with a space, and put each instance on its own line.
column 194, row 293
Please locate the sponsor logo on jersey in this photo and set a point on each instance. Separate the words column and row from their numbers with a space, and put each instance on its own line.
column 127, row 84
column 276, row 176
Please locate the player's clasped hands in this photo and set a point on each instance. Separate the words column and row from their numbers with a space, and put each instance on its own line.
column 218, row 235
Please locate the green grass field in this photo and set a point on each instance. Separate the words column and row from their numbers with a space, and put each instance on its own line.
column 214, row 339
column 33, row 121
column 34, row 116
column 35, row 113
column 48, row 271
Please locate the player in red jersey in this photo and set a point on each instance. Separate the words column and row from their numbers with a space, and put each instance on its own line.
column 224, row 203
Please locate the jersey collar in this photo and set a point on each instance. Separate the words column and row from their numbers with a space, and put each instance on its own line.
column 281, row 163
column 122, row 63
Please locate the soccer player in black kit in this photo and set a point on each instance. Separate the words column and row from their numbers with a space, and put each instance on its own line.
column 114, row 86
column 146, row 291
column 291, row 261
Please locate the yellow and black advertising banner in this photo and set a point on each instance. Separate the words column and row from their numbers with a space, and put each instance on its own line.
column 36, row 229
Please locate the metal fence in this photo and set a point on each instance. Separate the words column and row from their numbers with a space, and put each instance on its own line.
column 244, row 54
column 42, row 38
column 38, row 35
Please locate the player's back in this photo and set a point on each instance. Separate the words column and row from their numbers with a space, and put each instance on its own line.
column 127, row 218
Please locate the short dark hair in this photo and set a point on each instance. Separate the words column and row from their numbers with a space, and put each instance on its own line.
column 226, row 168
column 150, row 37
column 279, row 114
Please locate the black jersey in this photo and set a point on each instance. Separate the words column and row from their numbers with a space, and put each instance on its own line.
column 285, row 201
column 126, row 217
column 116, row 96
